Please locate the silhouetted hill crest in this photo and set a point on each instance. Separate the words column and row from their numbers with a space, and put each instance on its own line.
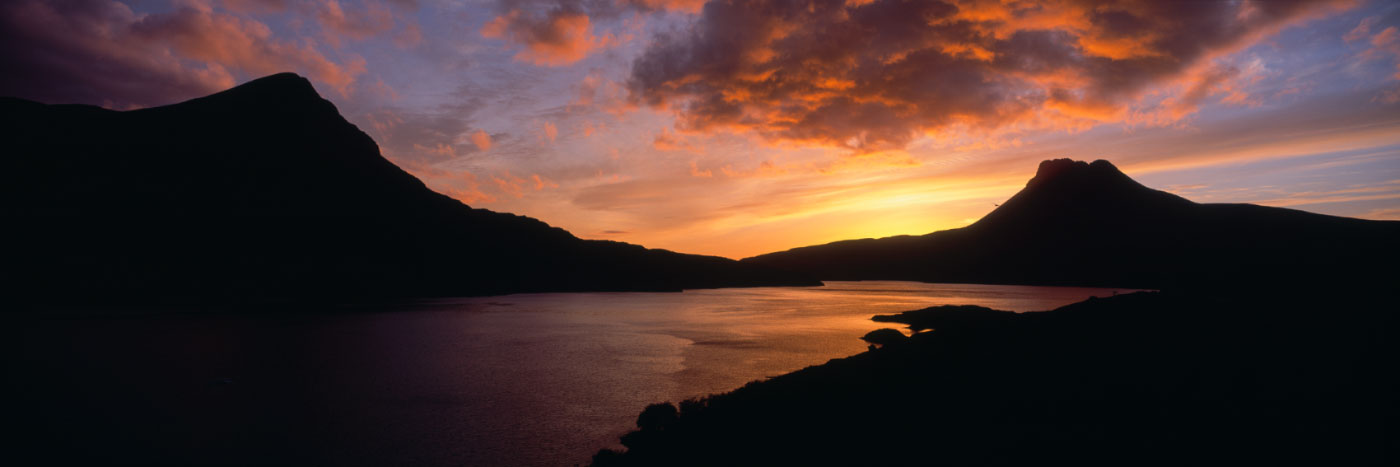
column 265, row 191
column 1066, row 192
column 1089, row 224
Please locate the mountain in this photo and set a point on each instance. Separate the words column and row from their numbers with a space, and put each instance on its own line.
column 1269, row 342
column 1088, row 224
column 264, row 192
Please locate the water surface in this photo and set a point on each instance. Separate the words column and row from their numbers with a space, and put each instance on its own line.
column 538, row 379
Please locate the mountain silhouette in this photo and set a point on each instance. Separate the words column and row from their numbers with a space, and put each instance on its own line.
column 264, row 192
column 1088, row 224
column 1268, row 343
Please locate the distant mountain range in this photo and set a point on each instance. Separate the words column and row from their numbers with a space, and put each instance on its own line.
column 264, row 192
column 1088, row 224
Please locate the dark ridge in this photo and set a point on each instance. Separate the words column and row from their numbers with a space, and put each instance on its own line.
column 1296, row 376
column 946, row 317
column 264, row 193
column 1088, row 224
column 280, row 86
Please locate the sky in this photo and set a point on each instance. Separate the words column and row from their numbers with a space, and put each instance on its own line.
column 745, row 127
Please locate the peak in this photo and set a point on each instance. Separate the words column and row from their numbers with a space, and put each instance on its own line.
column 281, row 88
column 281, row 84
column 1054, row 167
column 279, row 91
column 1066, row 188
column 1103, row 165
column 1061, row 168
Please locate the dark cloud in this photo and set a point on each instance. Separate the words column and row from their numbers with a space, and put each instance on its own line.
column 255, row 6
column 66, row 53
column 874, row 75
column 101, row 52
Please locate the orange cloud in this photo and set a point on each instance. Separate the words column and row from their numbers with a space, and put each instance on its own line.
column 510, row 184
column 681, row 5
column 561, row 37
column 874, row 76
column 440, row 150
column 384, row 120
column 462, row 186
column 696, row 172
column 481, row 140
column 603, row 94
column 542, row 183
column 1383, row 191
column 764, row 169
column 1390, row 214
column 551, row 132
column 466, row 189
column 667, row 141
column 767, row 168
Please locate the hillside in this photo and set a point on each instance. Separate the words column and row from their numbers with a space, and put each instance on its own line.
column 265, row 193
column 1149, row 378
column 1088, row 224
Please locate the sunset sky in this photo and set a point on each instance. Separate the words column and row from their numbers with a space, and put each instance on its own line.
column 739, row 128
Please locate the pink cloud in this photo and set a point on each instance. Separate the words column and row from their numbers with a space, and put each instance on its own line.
column 254, row 6
column 510, row 184
column 1361, row 30
column 542, row 183
column 463, row 185
column 466, row 189
column 550, row 131
column 358, row 22
column 560, row 37
column 481, row 140
column 102, row 52
column 667, row 141
column 690, row 6
column 440, row 150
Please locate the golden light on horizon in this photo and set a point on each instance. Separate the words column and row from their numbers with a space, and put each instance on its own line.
column 740, row 128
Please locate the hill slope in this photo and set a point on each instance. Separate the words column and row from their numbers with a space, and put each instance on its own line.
column 264, row 192
column 1150, row 378
column 1078, row 223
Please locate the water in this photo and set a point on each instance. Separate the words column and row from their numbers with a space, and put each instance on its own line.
column 541, row 379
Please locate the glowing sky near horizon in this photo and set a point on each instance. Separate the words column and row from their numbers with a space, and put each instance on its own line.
column 739, row 128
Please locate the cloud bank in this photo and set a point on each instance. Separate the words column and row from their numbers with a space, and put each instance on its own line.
column 875, row 75
column 102, row 52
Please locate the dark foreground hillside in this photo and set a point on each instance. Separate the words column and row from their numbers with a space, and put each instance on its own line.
column 1257, row 377
column 1088, row 224
column 265, row 193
